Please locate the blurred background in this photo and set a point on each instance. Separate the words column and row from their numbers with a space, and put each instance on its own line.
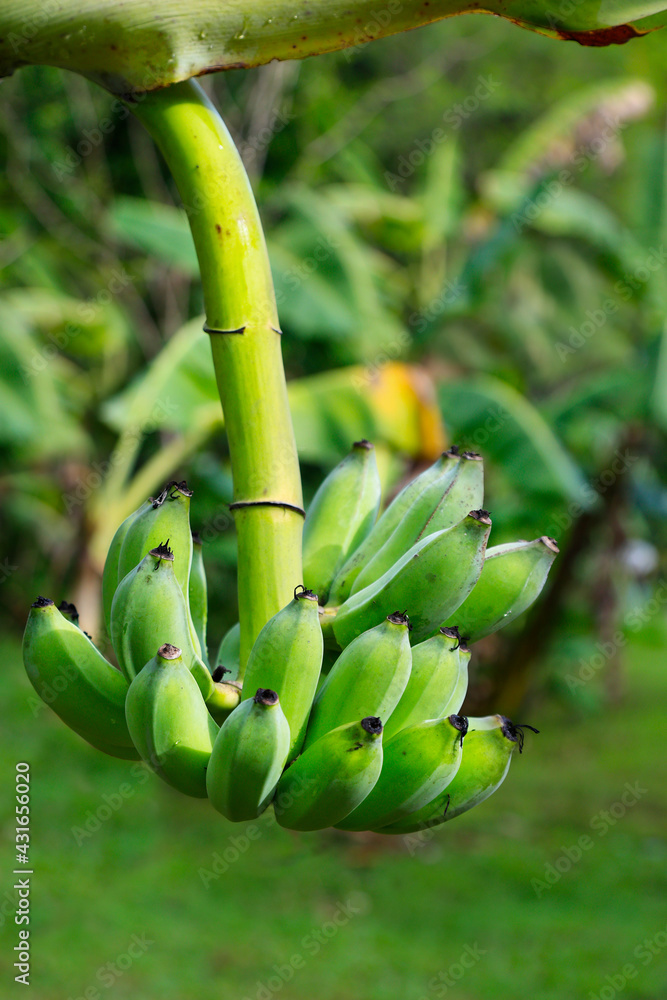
column 467, row 226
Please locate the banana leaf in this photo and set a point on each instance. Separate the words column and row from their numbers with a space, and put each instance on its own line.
column 141, row 45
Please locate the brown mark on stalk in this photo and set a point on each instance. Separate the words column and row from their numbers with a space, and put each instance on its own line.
column 514, row 731
column 618, row 35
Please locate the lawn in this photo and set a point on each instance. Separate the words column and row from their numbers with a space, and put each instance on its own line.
column 552, row 889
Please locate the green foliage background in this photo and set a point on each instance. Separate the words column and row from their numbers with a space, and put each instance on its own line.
column 485, row 266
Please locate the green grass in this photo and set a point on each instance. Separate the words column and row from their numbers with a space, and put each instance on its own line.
column 407, row 915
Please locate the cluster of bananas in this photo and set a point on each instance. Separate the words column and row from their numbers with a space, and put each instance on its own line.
column 347, row 711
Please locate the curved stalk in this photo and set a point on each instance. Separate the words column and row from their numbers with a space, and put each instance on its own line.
column 245, row 340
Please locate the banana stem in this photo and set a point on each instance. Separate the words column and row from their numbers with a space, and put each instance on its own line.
column 243, row 323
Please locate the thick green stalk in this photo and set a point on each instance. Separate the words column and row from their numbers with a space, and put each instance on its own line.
column 245, row 339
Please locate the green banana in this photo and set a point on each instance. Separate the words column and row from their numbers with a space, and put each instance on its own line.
column 69, row 611
column 367, row 679
column 169, row 723
column 431, row 580
column 441, row 469
column 331, row 778
column 512, row 577
column 487, row 755
column 441, row 505
column 419, row 763
column 148, row 609
column 73, row 677
column 433, row 681
column 167, row 517
column 453, row 706
column 287, row 658
column 248, row 757
column 111, row 576
column 197, row 594
column 229, row 652
column 225, row 696
column 341, row 515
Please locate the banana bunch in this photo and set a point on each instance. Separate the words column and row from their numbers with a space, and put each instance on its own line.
column 347, row 712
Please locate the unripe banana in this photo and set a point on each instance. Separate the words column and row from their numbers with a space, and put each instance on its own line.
column 453, row 706
column 248, row 757
column 229, row 652
column 69, row 611
column 331, row 778
column 340, row 517
column 367, row 679
column 418, row 763
column 73, row 677
column 225, row 696
column 168, row 517
column 430, row 581
column 512, row 578
column 443, row 468
column 147, row 608
column 439, row 506
column 197, row 594
column 433, row 680
column 287, row 657
column 169, row 723
column 111, row 576
column 487, row 754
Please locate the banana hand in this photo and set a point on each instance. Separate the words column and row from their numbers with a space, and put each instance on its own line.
column 75, row 680
column 340, row 517
column 487, row 755
column 431, row 581
column 367, row 679
column 331, row 778
column 169, row 723
column 512, row 577
column 248, row 757
column 418, row 763
column 287, row 657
